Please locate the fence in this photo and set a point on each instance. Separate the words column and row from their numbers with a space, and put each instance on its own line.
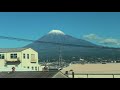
column 94, row 76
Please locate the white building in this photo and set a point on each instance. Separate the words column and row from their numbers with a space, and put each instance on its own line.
column 20, row 58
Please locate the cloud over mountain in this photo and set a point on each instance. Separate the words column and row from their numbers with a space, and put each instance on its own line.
column 101, row 40
column 91, row 37
column 110, row 41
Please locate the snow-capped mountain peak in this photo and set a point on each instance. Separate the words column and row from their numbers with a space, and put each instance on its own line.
column 58, row 32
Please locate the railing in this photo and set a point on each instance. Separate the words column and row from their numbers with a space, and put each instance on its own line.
column 95, row 75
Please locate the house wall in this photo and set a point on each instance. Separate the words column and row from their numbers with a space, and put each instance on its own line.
column 2, row 63
column 8, row 56
column 25, row 62
column 33, row 65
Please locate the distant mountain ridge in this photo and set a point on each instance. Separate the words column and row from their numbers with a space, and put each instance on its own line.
column 51, row 51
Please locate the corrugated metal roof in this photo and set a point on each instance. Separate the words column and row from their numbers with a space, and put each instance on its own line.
column 4, row 50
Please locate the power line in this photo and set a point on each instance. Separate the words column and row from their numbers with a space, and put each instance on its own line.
column 61, row 44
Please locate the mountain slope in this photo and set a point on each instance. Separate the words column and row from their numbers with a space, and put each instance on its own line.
column 51, row 51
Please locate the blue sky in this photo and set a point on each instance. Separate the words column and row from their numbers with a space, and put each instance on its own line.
column 102, row 28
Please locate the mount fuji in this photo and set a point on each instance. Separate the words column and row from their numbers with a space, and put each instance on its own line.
column 51, row 51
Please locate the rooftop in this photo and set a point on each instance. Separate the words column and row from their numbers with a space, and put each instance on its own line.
column 99, row 68
column 4, row 50
column 32, row 74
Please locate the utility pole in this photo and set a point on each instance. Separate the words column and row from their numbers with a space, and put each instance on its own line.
column 60, row 57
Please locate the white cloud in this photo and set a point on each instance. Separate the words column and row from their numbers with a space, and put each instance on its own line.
column 110, row 41
column 101, row 40
column 91, row 37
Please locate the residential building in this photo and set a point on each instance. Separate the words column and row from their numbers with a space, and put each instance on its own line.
column 20, row 58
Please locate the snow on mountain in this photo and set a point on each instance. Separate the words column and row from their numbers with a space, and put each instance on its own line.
column 58, row 32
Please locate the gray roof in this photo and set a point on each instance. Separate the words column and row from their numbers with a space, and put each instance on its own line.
column 32, row 74
column 5, row 50
column 60, row 75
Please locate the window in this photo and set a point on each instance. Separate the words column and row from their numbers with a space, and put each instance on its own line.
column 33, row 60
column 28, row 67
column 2, row 56
column 24, row 56
column 27, row 56
column 13, row 56
column 36, row 68
column 32, row 68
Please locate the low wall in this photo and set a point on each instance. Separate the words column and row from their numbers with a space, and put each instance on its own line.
column 95, row 76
